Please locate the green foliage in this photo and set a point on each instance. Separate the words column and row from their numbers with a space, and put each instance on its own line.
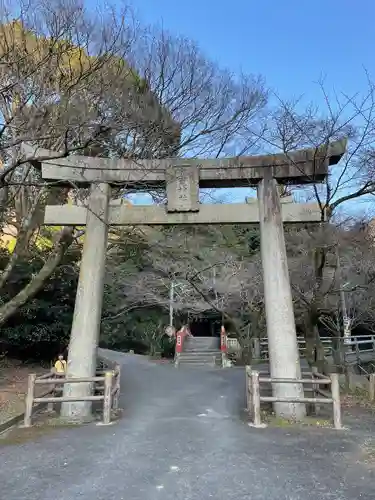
column 247, row 238
column 253, row 241
column 141, row 330
column 41, row 328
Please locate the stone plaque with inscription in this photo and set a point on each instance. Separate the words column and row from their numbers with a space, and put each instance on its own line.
column 182, row 188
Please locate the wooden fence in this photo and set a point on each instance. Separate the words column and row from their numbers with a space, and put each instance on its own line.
column 365, row 381
column 106, row 384
column 312, row 384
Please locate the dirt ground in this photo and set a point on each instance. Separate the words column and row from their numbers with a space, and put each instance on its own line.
column 13, row 386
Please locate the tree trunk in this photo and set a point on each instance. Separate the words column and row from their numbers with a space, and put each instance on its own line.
column 322, row 362
column 4, row 192
column 64, row 241
column 247, row 354
column 310, row 347
column 338, row 354
column 314, row 347
column 315, row 355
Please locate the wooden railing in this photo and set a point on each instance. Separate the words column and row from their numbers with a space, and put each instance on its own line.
column 310, row 382
column 356, row 343
column 106, row 385
column 103, row 365
column 364, row 381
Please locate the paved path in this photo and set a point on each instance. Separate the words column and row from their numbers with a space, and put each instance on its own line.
column 182, row 438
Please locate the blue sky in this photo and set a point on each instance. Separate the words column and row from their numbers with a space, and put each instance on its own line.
column 292, row 43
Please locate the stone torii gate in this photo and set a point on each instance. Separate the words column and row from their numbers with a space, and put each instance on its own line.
column 182, row 179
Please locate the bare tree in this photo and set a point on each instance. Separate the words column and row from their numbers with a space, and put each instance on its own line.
column 343, row 197
column 216, row 111
column 63, row 73
column 210, row 272
column 100, row 84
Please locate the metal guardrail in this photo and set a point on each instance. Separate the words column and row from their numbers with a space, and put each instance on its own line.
column 352, row 345
column 365, row 372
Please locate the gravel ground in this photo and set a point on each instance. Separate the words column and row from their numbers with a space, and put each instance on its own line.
column 183, row 437
column 13, row 386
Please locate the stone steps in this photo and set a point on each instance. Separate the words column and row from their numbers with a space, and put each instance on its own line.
column 204, row 351
column 201, row 351
column 200, row 355
column 199, row 360
column 201, row 344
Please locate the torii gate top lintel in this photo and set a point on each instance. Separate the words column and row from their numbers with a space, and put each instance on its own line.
column 297, row 167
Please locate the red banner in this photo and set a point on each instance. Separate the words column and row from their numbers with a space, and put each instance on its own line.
column 223, row 339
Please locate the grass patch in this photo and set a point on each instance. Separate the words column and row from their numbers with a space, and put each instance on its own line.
column 309, row 421
column 357, row 397
column 306, row 422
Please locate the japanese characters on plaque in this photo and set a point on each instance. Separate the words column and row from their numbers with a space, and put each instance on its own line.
column 183, row 189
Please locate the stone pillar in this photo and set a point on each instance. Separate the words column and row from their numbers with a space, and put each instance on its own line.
column 281, row 330
column 88, row 306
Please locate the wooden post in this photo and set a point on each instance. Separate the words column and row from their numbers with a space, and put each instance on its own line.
column 256, row 349
column 107, row 402
column 256, row 399
column 248, row 390
column 351, row 382
column 371, row 387
column 29, row 400
column 281, row 327
column 117, row 385
column 54, row 392
column 50, row 405
column 335, row 391
column 357, row 352
column 315, row 387
column 88, row 306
